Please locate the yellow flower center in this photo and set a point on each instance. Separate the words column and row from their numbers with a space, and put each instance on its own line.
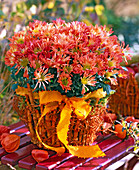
column 24, row 62
column 20, row 40
column 37, row 65
column 42, row 77
column 110, row 63
column 65, row 81
column 86, row 66
column 36, row 31
column 84, row 80
column 108, row 74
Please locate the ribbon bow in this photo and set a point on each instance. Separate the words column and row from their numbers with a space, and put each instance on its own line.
column 81, row 108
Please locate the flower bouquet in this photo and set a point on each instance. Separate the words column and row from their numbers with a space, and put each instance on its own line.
column 62, row 73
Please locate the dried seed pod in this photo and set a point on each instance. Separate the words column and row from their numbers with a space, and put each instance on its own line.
column 40, row 155
column 121, row 132
column 4, row 129
column 11, row 143
column 3, row 136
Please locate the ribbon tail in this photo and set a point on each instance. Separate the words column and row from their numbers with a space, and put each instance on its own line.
column 63, row 125
column 62, row 131
column 47, row 109
column 86, row 151
column 23, row 91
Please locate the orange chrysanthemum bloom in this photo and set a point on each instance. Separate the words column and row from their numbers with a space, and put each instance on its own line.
column 65, row 81
column 67, row 51
column 42, row 76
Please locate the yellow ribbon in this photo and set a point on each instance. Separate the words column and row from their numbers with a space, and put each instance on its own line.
column 22, row 91
column 80, row 107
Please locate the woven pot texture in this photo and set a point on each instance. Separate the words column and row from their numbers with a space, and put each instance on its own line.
column 81, row 132
column 125, row 100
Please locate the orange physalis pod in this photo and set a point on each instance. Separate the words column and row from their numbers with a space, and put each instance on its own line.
column 3, row 136
column 11, row 143
column 130, row 119
column 40, row 155
column 120, row 132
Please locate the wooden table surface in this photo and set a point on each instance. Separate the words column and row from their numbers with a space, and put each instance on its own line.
column 114, row 148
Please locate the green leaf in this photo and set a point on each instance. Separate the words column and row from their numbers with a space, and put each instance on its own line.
column 58, row 3
column 74, row 7
column 19, row 8
column 106, row 88
column 29, row 3
column 60, row 11
column 48, row 11
column 13, row 14
column 36, row 17
column 43, row 2
column 14, row 86
column 1, row 96
column 1, row 13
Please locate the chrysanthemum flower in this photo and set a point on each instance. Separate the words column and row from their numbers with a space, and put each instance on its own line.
column 65, row 81
column 87, row 80
column 42, row 76
column 70, row 48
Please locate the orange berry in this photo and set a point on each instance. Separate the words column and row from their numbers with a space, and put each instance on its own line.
column 11, row 143
column 121, row 134
column 130, row 119
column 40, row 155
